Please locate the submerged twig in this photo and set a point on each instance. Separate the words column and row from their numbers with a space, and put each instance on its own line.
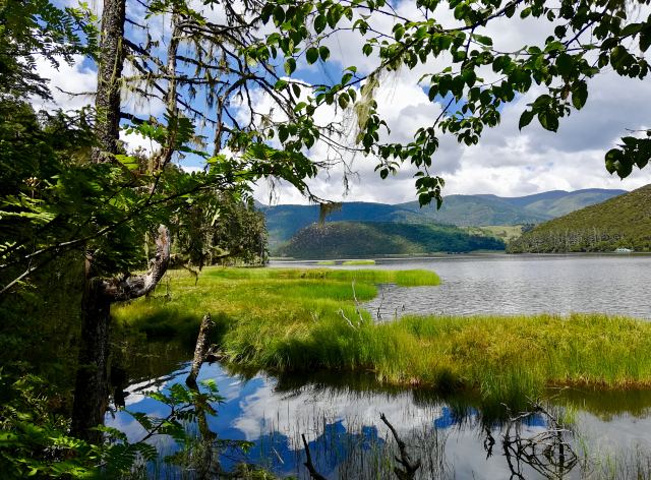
column 314, row 474
column 201, row 349
column 547, row 452
column 410, row 467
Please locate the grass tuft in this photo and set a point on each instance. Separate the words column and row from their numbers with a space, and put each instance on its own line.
column 305, row 320
column 358, row 262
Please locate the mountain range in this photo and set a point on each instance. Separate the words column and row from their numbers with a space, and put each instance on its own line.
column 283, row 221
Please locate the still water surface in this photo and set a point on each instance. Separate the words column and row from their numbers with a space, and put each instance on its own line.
column 519, row 284
column 341, row 416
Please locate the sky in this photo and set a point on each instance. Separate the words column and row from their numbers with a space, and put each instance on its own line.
column 506, row 162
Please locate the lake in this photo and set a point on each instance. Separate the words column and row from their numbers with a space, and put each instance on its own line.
column 608, row 434
column 519, row 284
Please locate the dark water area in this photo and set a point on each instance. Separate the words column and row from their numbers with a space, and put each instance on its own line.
column 518, row 284
column 578, row 434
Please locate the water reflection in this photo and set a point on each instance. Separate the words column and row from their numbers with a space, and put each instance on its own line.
column 346, row 438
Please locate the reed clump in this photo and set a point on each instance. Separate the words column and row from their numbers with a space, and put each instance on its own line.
column 305, row 320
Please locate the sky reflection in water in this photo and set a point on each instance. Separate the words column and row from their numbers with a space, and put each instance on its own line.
column 343, row 425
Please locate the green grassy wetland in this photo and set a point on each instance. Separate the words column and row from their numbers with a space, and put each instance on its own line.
column 289, row 320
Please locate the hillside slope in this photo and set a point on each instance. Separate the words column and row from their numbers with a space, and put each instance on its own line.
column 559, row 205
column 621, row 222
column 283, row 221
column 476, row 210
column 357, row 239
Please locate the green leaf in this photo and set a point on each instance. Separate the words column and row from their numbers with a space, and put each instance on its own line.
column 324, row 53
column 320, row 23
column 398, row 32
column 549, row 120
column 290, row 66
column 525, row 118
column 645, row 39
column 565, row 64
column 579, row 94
column 312, row 55
column 483, row 40
column 279, row 15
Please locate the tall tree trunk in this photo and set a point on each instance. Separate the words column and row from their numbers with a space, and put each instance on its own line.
column 91, row 386
column 109, row 75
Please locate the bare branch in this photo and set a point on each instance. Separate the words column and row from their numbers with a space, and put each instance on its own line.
column 121, row 289
column 308, row 464
column 410, row 467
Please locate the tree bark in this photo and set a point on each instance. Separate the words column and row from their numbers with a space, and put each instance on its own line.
column 109, row 75
column 91, row 386
column 200, row 350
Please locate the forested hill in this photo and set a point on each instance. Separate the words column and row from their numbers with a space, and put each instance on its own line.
column 461, row 210
column 358, row 239
column 622, row 222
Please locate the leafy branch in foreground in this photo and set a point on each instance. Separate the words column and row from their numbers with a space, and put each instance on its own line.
column 464, row 70
column 34, row 441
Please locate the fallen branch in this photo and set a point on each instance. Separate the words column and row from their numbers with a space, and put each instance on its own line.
column 410, row 467
column 201, row 350
column 308, row 464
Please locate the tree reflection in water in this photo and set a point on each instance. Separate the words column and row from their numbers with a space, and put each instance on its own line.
column 548, row 452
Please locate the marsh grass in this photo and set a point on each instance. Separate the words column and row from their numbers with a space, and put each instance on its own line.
column 358, row 262
column 326, row 262
column 288, row 320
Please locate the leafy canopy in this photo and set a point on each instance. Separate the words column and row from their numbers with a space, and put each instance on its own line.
column 476, row 80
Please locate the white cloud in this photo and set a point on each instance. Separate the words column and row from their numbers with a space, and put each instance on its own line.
column 506, row 162
column 77, row 79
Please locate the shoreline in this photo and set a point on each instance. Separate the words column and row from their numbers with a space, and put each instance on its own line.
column 307, row 320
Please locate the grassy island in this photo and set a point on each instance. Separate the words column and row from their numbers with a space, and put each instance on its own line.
column 286, row 320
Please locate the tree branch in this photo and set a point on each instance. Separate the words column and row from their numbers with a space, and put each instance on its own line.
column 308, row 464
column 410, row 467
column 125, row 288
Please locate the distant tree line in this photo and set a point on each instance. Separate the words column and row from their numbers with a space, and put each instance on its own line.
column 584, row 240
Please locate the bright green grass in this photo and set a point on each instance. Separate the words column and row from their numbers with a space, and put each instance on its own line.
column 326, row 262
column 359, row 262
column 293, row 320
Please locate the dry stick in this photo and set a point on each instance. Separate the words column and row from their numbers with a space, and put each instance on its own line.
column 410, row 467
column 208, row 466
column 200, row 350
column 308, row 464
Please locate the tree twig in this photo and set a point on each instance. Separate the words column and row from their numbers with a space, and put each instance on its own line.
column 314, row 474
column 410, row 467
